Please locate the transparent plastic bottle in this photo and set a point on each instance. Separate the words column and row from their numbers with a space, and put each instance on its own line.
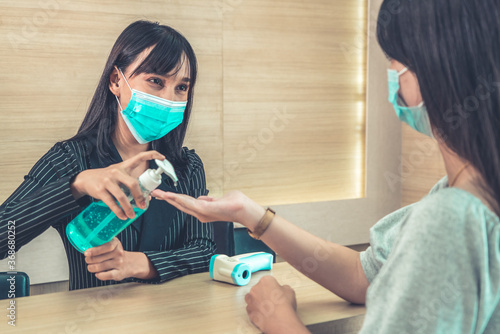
column 97, row 224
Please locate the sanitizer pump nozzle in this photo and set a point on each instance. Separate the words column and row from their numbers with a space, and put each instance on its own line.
column 151, row 178
column 97, row 224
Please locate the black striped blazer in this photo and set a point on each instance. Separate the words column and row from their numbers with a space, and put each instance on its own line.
column 45, row 200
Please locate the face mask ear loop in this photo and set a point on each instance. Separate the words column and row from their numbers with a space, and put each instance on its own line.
column 400, row 73
column 127, row 85
column 125, row 79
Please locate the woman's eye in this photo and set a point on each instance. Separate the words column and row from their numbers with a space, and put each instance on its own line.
column 183, row 88
column 156, row 81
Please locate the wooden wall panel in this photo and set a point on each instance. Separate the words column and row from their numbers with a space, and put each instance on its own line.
column 421, row 165
column 293, row 102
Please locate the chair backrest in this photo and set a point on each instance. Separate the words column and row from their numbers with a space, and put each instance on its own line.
column 234, row 241
column 224, row 238
column 14, row 284
column 244, row 243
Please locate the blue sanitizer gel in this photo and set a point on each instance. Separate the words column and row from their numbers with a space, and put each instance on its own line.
column 97, row 224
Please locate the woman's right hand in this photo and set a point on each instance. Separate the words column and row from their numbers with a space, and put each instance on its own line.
column 104, row 184
column 273, row 307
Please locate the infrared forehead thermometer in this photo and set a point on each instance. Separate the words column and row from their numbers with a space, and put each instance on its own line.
column 238, row 269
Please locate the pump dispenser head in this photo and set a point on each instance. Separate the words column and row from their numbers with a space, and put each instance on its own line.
column 164, row 166
column 151, row 178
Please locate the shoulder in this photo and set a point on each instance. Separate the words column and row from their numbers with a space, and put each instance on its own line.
column 194, row 163
column 68, row 147
column 195, row 174
column 452, row 208
column 77, row 150
column 63, row 158
column 441, row 184
column 60, row 152
column 451, row 219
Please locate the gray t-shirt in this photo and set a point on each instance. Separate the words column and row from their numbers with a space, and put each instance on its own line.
column 434, row 267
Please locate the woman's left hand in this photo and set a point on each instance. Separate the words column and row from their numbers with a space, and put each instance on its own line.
column 232, row 207
column 111, row 262
column 272, row 307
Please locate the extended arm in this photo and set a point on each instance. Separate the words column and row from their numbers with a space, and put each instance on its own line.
column 335, row 267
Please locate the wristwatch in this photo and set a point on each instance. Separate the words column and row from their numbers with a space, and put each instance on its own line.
column 263, row 224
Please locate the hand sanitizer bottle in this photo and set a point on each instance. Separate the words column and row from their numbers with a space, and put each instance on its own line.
column 97, row 224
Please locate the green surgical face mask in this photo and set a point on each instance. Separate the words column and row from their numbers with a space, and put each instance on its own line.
column 150, row 117
column 416, row 117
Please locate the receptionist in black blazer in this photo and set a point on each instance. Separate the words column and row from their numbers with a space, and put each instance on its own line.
column 111, row 149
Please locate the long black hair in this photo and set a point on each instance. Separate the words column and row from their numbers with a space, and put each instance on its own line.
column 453, row 47
column 170, row 50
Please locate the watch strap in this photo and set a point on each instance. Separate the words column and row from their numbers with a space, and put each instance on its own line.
column 263, row 224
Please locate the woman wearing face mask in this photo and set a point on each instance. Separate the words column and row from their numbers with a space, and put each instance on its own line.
column 434, row 266
column 139, row 112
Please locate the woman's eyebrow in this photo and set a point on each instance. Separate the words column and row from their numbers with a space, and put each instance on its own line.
column 185, row 79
